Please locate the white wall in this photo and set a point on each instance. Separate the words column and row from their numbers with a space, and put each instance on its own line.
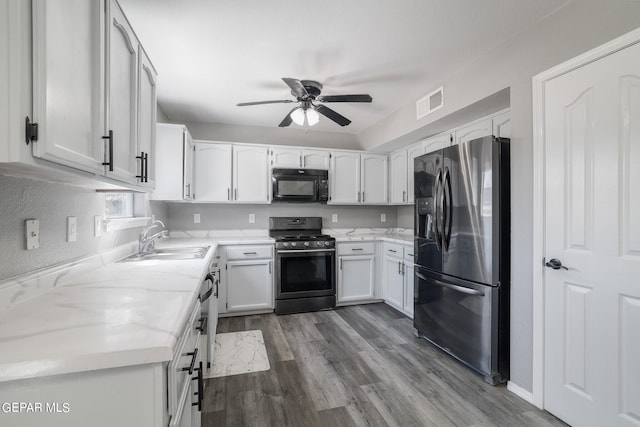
column 581, row 26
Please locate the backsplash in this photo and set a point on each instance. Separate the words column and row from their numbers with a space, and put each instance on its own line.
column 236, row 216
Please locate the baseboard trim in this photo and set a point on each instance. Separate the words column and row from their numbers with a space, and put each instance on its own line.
column 520, row 392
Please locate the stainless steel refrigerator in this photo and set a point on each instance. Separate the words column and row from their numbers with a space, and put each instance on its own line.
column 462, row 252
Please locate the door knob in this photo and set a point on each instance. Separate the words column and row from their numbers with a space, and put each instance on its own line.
column 556, row 264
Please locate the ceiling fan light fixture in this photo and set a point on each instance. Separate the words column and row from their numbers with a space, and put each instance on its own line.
column 312, row 117
column 297, row 116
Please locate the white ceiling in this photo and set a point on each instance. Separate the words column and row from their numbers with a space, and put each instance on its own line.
column 212, row 54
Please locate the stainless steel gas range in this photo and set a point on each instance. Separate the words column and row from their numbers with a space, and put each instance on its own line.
column 304, row 265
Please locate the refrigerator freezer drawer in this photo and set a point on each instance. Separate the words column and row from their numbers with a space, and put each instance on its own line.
column 467, row 320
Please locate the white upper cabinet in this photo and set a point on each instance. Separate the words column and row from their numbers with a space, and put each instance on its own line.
column 502, row 125
column 475, row 130
column 67, row 82
column 285, row 157
column 437, row 142
column 174, row 163
column 315, row 159
column 344, row 177
column 375, row 179
column 213, row 172
column 250, row 174
column 399, row 177
column 147, row 108
column 122, row 72
column 414, row 151
column 188, row 151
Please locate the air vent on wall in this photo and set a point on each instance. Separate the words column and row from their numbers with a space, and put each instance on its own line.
column 430, row 103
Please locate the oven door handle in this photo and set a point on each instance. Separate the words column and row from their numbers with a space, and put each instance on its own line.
column 297, row 251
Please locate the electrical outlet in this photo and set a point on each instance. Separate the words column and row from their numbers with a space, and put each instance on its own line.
column 196, row 218
column 252, row 218
column 383, row 217
column 32, row 233
column 72, row 229
column 97, row 226
column 334, row 217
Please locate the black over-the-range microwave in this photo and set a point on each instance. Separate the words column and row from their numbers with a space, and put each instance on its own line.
column 300, row 185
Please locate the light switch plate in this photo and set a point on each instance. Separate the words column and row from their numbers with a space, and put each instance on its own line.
column 196, row 218
column 383, row 217
column 32, row 233
column 252, row 218
column 334, row 217
column 72, row 229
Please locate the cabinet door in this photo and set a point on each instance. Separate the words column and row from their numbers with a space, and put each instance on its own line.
column 355, row 278
column 147, row 107
column 212, row 172
column 375, row 179
column 286, row 157
column 408, row 289
column 502, row 125
column 437, row 142
column 473, row 131
column 249, row 285
column 344, row 181
column 67, row 82
column 393, row 284
column 398, row 174
column 250, row 174
column 412, row 152
column 315, row 159
column 187, row 158
column 122, row 70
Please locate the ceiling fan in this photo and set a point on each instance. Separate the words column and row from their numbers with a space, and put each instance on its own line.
column 307, row 93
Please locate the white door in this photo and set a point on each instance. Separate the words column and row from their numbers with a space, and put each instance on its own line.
column 250, row 174
column 375, row 179
column 122, row 72
column 286, row 157
column 212, row 172
column 473, row 131
column 67, row 82
column 398, row 175
column 249, row 285
column 393, row 282
column 355, row 278
column 592, row 226
column 315, row 159
column 187, row 166
column 344, row 179
column 147, row 107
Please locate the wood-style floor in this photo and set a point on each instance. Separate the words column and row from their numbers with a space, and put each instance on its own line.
column 357, row 366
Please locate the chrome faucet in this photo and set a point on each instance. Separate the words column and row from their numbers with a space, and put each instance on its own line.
column 147, row 242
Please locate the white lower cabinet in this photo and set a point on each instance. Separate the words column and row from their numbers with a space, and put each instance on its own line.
column 398, row 287
column 356, row 272
column 248, row 284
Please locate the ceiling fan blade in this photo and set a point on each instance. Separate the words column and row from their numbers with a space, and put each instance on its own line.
column 345, row 98
column 329, row 113
column 280, row 101
column 297, row 88
column 287, row 119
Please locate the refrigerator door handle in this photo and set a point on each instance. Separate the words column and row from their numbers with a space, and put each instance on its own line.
column 447, row 210
column 453, row 287
column 436, row 208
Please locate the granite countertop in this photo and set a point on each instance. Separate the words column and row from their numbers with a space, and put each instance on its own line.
column 118, row 314
column 401, row 236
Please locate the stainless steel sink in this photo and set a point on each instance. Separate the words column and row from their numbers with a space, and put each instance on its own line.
column 170, row 254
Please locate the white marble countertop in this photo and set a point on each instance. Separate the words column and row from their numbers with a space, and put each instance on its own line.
column 118, row 314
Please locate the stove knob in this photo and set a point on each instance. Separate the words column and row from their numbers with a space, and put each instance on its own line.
column 318, row 243
column 285, row 244
column 306, row 243
column 326, row 243
column 293, row 243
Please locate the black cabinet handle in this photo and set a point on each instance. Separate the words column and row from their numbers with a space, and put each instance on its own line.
column 146, row 167
column 141, row 157
column 200, row 392
column 194, row 356
column 202, row 321
column 110, row 149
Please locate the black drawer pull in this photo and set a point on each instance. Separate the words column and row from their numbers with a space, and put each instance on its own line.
column 194, row 356
column 357, row 249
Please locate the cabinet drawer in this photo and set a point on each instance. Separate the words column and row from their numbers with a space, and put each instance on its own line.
column 393, row 249
column 248, row 252
column 408, row 254
column 363, row 248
